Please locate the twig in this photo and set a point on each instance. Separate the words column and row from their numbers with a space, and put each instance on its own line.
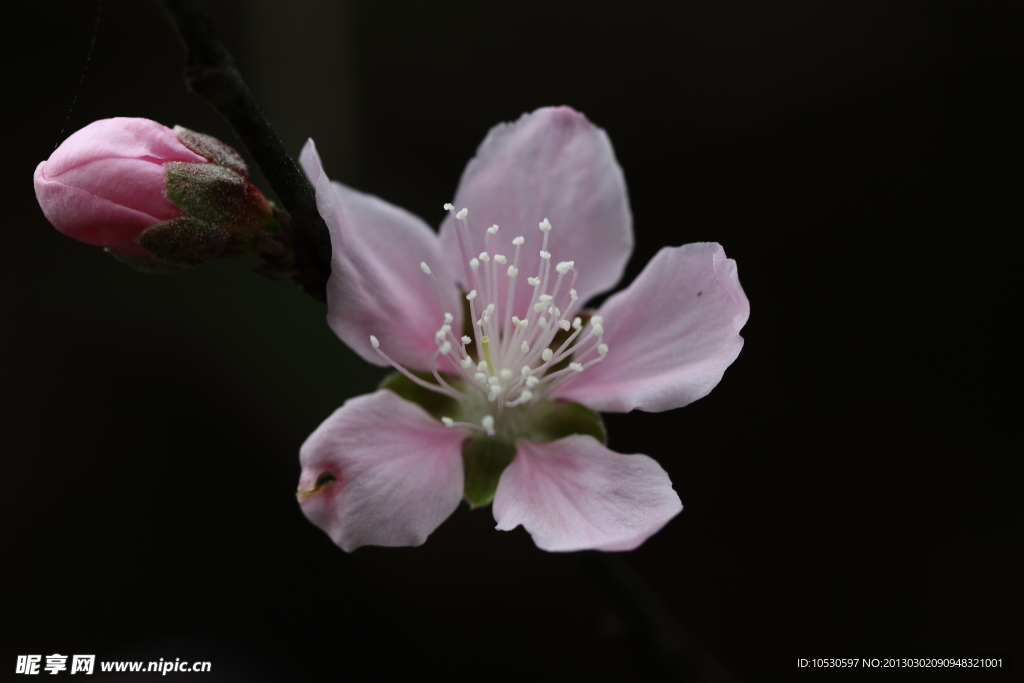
column 211, row 74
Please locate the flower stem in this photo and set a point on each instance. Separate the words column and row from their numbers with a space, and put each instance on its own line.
column 211, row 74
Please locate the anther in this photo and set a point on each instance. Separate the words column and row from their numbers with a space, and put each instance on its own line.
column 538, row 307
column 525, row 395
column 448, row 422
column 545, row 225
column 480, row 377
column 577, row 323
column 532, row 381
column 484, row 256
column 505, row 375
column 466, row 339
column 472, row 295
column 518, row 241
column 545, row 254
column 493, row 381
column 545, row 298
column 602, row 349
column 513, row 271
column 576, row 366
column 482, row 367
column 574, row 295
column 526, row 371
column 446, row 348
column 488, row 423
column 525, row 346
column 462, row 214
column 474, row 264
column 546, row 354
column 448, row 207
column 564, row 324
column 466, row 363
column 449, row 318
column 597, row 329
column 493, row 229
column 564, row 267
column 373, row 340
column 596, row 319
column 543, row 323
column 490, row 309
column 499, row 259
column 533, row 281
column 424, row 267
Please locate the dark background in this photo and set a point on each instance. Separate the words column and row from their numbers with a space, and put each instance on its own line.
column 848, row 485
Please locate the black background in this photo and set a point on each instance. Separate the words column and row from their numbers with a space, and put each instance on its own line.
column 848, row 485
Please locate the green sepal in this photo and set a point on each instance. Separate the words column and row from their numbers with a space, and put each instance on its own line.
column 438, row 405
column 143, row 264
column 483, row 460
column 183, row 241
column 211, row 148
column 209, row 192
column 560, row 419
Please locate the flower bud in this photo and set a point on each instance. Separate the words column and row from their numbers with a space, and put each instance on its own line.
column 147, row 192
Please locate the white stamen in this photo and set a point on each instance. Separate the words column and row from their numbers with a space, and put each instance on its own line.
column 519, row 323
column 480, row 377
column 525, row 346
column 424, row 267
column 598, row 329
column 466, row 339
column 538, row 307
column 546, row 354
column 490, row 309
column 484, row 256
column 577, row 323
column 526, row 371
column 446, row 348
column 493, row 229
column 499, row 259
column 554, row 311
column 564, row 267
column 488, row 423
column 564, row 324
column 513, row 271
column 472, row 295
column 494, row 381
column 532, row 381
column 596, row 320
column 481, row 366
column 518, row 241
column 545, row 255
column 574, row 295
column 602, row 349
column 373, row 340
column 505, row 374
column 474, row 264
column 462, row 214
column 449, row 318
column 533, row 281
column 545, row 298
column 448, row 207
column 524, row 396
column 448, row 422
column 545, row 225
column 543, row 323
column 576, row 366
column 466, row 363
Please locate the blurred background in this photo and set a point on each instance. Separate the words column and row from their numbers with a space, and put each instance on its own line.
column 847, row 487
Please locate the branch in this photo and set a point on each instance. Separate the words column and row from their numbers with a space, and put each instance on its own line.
column 211, row 74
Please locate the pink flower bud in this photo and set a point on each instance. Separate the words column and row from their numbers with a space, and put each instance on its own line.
column 105, row 184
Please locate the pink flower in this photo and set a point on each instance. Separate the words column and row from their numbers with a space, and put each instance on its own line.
column 105, row 184
column 146, row 191
column 496, row 412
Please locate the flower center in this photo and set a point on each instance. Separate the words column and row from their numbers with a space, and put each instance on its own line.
column 518, row 352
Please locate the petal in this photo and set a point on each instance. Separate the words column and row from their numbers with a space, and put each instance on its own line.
column 397, row 473
column 91, row 219
column 671, row 334
column 377, row 286
column 575, row 494
column 552, row 164
column 135, row 183
column 122, row 137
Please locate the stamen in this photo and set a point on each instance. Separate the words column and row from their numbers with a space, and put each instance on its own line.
column 466, row 339
column 462, row 214
column 533, row 281
column 578, row 367
column 499, row 259
column 546, row 354
column 574, row 295
column 602, row 349
column 525, row 346
column 488, row 424
column 474, row 264
column 518, row 241
column 564, row 324
column 424, row 267
column 545, row 255
column 484, row 256
column 472, row 295
column 545, row 225
column 448, row 207
column 448, row 422
column 493, row 229
column 577, row 323
column 505, row 374
column 532, row 381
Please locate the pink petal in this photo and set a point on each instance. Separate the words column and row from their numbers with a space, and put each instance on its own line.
column 135, row 183
column 552, row 164
column 377, row 287
column 89, row 218
column 671, row 334
column 398, row 472
column 575, row 494
column 125, row 138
